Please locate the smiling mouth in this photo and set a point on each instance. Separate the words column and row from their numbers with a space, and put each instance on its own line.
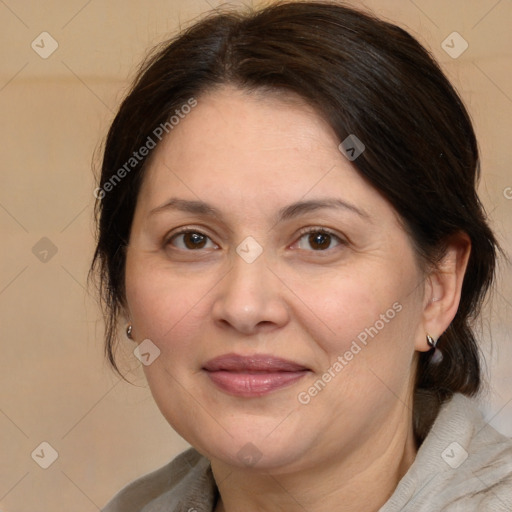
column 253, row 376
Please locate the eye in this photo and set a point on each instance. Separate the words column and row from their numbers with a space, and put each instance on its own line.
column 318, row 240
column 190, row 240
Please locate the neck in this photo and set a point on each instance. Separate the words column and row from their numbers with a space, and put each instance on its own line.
column 362, row 478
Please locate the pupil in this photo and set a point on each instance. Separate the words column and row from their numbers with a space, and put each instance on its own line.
column 319, row 240
column 194, row 240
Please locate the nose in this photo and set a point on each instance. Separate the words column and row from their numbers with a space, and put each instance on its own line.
column 250, row 299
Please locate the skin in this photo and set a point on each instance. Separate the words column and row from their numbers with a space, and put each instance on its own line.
column 248, row 156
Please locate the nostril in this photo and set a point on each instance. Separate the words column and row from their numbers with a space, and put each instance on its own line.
column 265, row 325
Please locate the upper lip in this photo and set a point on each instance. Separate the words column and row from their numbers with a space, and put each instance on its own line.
column 255, row 363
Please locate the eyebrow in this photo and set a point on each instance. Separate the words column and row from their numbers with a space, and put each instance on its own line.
column 286, row 213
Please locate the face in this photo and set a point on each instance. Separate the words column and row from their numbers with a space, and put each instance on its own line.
column 280, row 288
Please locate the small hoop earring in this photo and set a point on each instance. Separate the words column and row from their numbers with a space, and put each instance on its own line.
column 431, row 341
column 129, row 331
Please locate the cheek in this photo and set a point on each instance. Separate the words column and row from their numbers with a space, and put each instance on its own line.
column 170, row 310
column 165, row 307
column 342, row 306
column 366, row 322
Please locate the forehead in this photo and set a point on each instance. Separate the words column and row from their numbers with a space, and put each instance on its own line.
column 248, row 141
column 247, row 123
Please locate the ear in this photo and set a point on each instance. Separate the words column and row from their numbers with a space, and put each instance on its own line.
column 443, row 288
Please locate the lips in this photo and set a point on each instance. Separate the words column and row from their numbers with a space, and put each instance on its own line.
column 252, row 376
column 255, row 363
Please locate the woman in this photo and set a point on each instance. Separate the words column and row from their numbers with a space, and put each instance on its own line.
column 289, row 230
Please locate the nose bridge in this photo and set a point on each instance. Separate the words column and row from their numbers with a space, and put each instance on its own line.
column 249, row 296
column 248, row 280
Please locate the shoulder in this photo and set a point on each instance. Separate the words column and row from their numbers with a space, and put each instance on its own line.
column 184, row 483
column 484, row 468
column 464, row 465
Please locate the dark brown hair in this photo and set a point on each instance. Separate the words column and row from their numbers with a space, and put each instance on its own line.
column 365, row 77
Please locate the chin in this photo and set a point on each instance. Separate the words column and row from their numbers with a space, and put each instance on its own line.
column 255, row 445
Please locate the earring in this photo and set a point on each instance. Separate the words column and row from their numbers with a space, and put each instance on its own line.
column 437, row 356
column 129, row 331
column 431, row 341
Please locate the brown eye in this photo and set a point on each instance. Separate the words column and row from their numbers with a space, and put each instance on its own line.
column 318, row 240
column 191, row 240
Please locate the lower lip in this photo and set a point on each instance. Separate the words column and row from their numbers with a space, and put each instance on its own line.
column 253, row 384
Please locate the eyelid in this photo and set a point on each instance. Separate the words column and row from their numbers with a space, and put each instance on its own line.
column 303, row 231
column 186, row 229
column 320, row 229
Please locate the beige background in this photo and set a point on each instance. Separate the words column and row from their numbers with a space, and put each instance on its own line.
column 55, row 386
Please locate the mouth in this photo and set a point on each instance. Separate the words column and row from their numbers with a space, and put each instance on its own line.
column 253, row 376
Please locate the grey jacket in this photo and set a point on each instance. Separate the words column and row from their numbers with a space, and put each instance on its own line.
column 463, row 465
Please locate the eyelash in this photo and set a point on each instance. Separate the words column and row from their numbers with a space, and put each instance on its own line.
column 324, row 231
column 184, row 231
column 303, row 232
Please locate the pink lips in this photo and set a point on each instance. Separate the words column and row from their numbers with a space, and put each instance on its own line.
column 251, row 376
